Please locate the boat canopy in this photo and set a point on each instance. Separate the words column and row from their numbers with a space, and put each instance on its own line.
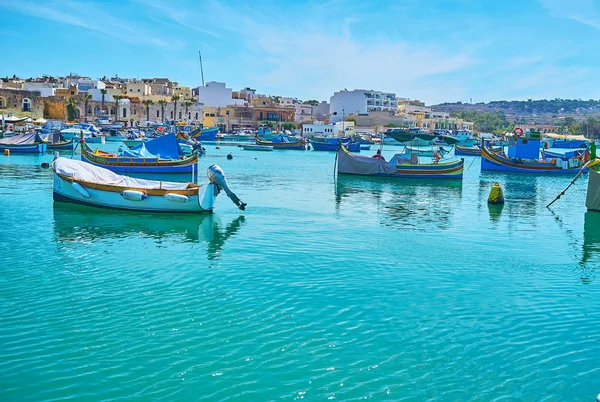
column 93, row 174
column 22, row 139
column 165, row 147
column 566, row 137
column 363, row 165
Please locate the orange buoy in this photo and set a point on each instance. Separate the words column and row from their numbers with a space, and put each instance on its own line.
column 7, row 152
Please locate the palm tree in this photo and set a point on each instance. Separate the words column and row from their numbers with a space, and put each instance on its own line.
column 86, row 98
column 148, row 103
column 187, row 104
column 117, row 99
column 103, row 92
column 175, row 99
column 162, row 104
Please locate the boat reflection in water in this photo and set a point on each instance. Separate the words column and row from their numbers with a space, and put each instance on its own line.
column 411, row 203
column 80, row 224
column 590, row 258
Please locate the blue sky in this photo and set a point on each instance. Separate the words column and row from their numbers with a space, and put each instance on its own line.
column 435, row 51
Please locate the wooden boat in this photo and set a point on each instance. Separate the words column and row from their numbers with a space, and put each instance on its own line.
column 398, row 167
column 205, row 134
column 160, row 155
column 30, row 143
column 524, row 157
column 417, row 137
column 563, row 155
column 332, row 144
column 82, row 183
column 56, row 142
column 565, row 141
column 430, row 151
column 460, row 150
column 134, row 143
column 254, row 147
column 282, row 142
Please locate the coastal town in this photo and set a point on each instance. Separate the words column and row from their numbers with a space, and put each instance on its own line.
column 135, row 101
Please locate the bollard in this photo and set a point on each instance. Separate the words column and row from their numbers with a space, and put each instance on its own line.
column 496, row 194
column 7, row 152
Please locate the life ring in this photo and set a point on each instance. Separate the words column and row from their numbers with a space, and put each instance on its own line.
column 518, row 131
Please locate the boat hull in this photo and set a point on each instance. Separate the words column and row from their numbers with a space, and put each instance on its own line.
column 60, row 146
column 333, row 146
column 299, row 146
column 473, row 151
column 252, row 147
column 25, row 149
column 64, row 191
column 207, row 134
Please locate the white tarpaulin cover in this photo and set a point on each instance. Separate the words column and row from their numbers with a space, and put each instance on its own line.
column 94, row 174
column 355, row 164
column 592, row 200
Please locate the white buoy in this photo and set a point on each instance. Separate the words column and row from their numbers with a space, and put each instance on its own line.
column 598, row 398
column 133, row 195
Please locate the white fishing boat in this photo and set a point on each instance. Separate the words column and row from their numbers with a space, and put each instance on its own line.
column 82, row 183
column 90, row 133
column 254, row 147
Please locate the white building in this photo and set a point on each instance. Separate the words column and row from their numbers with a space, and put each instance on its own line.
column 320, row 129
column 83, row 84
column 304, row 113
column 360, row 101
column 217, row 95
column 44, row 88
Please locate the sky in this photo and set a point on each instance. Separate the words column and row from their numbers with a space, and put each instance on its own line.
column 436, row 51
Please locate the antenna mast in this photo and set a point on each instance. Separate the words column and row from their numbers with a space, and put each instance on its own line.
column 201, row 69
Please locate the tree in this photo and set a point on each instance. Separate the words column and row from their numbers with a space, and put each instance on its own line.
column 86, row 98
column 148, row 103
column 163, row 103
column 350, row 118
column 117, row 99
column 311, row 102
column 187, row 104
column 288, row 125
column 71, row 109
column 175, row 99
column 103, row 92
column 267, row 123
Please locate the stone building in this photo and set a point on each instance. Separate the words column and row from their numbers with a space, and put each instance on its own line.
column 21, row 103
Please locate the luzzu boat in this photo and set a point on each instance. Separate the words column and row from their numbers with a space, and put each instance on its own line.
column 89, row 131
column 30, row 143
column 523, row 156
column 55, row 142
column 333, row 143
column 460, row 150
column 205, row 134
column 397, row 167
column 565, row 141
column 282, row 142
column 81, row 183
column 160, row 155
column 417, row 136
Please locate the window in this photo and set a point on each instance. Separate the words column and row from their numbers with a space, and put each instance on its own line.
column 134, row 112
column 130, row 90
column 206, row 115
column 179, row 115
column 158, row 113
column 124, row 112
column 196, row 116
column 171, row 114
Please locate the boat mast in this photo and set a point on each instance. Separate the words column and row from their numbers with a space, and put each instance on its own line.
column 201, row 69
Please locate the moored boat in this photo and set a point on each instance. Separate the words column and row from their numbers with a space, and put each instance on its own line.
column 460, row 150
column 564, row 141
column 55, row 142
column 160, row 155
column 523, row 156
column 205, row 134
column 333, row 143
column 30, row 143
column 82, row 183
column 397, row 167
column 254, row 147
column 282, row 142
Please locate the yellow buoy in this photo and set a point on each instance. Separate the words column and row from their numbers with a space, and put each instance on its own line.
column 7, row 152
column 496, row 194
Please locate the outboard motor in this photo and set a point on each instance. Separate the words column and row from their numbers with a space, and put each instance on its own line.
column 217, row 177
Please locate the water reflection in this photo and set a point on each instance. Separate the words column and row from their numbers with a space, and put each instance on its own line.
column 495, row 210
column 80, row 224
column 410, row 204
column 590, row 257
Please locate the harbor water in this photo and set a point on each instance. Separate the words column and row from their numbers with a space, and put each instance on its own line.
column 323, row 289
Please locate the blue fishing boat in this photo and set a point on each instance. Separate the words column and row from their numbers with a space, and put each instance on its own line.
column 159, row 155
column 564, row 141
column 563, row 155
column 282, row 141
column 30, row 143
column 523, row 156
column 56, row 142
column 333, row 143
column 205, row 134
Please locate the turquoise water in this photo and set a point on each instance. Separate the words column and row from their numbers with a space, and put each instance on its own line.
column 349, row 289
